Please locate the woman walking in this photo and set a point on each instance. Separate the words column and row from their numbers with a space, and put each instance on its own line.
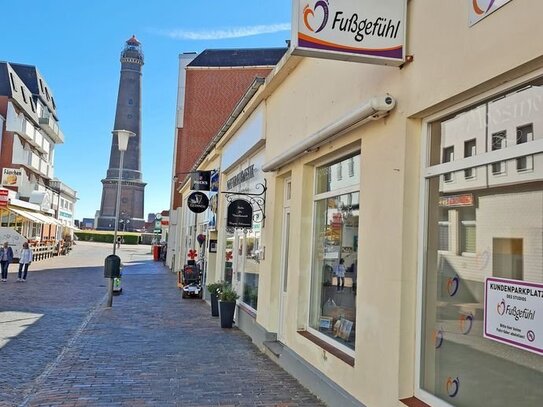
column 6, row 257
column 24, row 262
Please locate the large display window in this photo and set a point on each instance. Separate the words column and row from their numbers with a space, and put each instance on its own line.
column 335, row 251
column 482, row 325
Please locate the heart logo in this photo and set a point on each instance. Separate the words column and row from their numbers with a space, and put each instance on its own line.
column 501, row 307
column 309, row 14
column 478, row 10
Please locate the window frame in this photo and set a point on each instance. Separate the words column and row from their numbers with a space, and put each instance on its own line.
column 428, row 171
column 315, row 197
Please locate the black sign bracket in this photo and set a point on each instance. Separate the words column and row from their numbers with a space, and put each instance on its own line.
column 257, row 200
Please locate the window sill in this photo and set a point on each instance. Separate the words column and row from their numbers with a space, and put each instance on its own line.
column 247, row 309
column 328, row 348
column 414, row 402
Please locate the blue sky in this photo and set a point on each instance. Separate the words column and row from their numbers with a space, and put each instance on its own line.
column 76, row 46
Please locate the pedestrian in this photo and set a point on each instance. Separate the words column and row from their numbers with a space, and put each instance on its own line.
column 340, row 275
column 6, row 257
column 119, row 240
column 24, row 262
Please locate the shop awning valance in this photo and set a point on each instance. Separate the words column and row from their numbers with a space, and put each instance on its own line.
column 26, row 214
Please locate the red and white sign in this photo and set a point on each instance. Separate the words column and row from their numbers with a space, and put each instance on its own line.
column 4, row 198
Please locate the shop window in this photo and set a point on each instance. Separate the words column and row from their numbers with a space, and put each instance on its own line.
column 448, row 156
column 470, row 147
column 335, row 250
column 493, row 231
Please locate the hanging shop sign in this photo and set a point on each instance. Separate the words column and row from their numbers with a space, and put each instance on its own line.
column 214, row 181
column 371, row 31
column 201, row 181
column 514, row 313
column 239, row 214
column 197, row 202
column 12, row 177
column 479, row 9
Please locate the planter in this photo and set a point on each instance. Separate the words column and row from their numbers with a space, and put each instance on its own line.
column 226, row 313
column 214, row 305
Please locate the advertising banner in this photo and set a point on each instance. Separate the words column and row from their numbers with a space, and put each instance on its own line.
column 514, row 313
column 371, row 31
column 197, row 202
column 4, row 198
column 479, row 9
column 12, row 177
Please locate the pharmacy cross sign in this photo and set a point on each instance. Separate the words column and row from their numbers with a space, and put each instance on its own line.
column 192, row 254
column 229, row 256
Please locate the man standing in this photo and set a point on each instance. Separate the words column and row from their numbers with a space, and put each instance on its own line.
column 6, row 257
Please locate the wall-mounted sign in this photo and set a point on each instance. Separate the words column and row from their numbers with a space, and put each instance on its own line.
column 4, row 198
column 454, row 201
column 12, row 177
column 215, row 181
column 371, row 31
column 241, row 177
column 200, row 181
column 479, row 9
column 514, row 313
column 197, row 202
column 239, row 214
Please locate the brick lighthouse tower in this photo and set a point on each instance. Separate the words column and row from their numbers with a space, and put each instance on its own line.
column 127, row 117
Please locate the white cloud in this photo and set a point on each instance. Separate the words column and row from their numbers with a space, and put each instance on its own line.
column 220, row 34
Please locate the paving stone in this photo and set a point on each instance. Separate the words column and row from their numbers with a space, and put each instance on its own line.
column 152, row 348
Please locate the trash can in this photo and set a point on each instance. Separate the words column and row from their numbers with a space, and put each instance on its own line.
column 156, row 252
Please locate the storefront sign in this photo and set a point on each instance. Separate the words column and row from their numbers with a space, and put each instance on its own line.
column 4, row 198
column 371, row 31
column 12, row 177
column 479, row 9
column 239, row 214
column 214, row 181
column 241, row 177
column 514, row 313
column 454, row 201
column 201, row 181
column 197, row 202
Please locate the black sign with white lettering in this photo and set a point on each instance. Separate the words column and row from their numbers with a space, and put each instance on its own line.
column 197, row 202
column 201, row 181
column 239, row 214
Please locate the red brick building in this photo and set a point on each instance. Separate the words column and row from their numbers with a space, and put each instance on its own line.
column 210, row 85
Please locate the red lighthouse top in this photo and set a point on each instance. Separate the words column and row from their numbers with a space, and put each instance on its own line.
column 133, row 41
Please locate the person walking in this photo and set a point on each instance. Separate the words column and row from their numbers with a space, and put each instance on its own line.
column 24, row 262
column 340, row 275
column 6, row 257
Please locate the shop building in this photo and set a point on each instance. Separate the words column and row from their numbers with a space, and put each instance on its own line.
column 210, row 86
column 425, row 184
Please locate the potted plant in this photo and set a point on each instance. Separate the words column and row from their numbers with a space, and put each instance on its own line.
column 227, row 306
column 214, row 289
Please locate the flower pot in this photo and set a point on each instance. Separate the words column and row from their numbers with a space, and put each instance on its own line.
column 226, row 313
column 214, row 305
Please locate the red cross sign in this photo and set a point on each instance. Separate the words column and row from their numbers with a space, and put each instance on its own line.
column 229, row 256
column 192, row 254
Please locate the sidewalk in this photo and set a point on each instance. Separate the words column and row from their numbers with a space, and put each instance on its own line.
column 151, row 349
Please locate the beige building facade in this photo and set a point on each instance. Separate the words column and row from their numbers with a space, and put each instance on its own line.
column 395, row 196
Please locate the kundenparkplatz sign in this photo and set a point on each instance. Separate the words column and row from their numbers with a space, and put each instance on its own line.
column 371, row 31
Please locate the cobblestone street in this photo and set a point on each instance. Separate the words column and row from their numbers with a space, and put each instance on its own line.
column 59, row 345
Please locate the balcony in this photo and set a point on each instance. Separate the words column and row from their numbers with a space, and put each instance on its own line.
column 50, row 126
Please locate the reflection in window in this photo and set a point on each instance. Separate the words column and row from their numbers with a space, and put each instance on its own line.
column 469, row 151
column 334, row 269
column 448, row 156
column 489, row 228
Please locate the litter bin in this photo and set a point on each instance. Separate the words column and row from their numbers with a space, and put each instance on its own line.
column 156, row 252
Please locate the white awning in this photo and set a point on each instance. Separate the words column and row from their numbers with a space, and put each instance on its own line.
column 25, row 214
column 47, row 219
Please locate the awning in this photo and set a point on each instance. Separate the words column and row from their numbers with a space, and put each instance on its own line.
column 25, row 214
column 48, row 220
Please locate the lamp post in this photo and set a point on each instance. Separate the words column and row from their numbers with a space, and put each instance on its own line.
column 122, row 141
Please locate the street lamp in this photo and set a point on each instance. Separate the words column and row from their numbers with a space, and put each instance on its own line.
column 122, row 141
